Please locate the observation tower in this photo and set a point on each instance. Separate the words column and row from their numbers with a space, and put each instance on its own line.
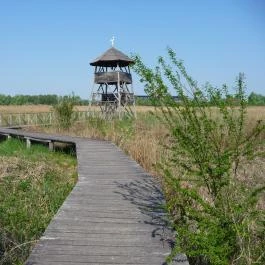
column 112, row 88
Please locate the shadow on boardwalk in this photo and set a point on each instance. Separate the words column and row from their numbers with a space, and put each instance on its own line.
column 149, row 199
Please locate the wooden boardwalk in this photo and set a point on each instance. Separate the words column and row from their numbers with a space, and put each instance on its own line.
column 112, row 216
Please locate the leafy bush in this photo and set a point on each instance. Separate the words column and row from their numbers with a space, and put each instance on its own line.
column 219, row 218
column 64, row 111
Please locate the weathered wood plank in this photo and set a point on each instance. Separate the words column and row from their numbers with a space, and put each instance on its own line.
column 93, row 259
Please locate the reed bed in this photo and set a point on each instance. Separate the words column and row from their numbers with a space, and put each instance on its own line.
column 143, row 139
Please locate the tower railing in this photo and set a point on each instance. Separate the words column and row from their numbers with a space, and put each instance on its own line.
column 112, row 77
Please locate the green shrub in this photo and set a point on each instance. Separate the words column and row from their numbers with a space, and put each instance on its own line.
column 218, row 217
column 64, row 111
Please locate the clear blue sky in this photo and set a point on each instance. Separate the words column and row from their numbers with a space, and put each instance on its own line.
column 46, row 46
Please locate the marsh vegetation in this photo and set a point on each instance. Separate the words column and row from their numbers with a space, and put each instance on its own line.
column 33, row 185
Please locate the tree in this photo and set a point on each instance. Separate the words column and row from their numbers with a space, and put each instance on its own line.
column 256, row 99
column 64, row 111
column 214, row 212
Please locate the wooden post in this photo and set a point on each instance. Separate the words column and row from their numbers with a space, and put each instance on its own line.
column 28, row 119
column 119, row 93
column 10, row 122
column 8, row 136
column 134, row 107
column 19, row 119
column 28, row 142
column 51, row 146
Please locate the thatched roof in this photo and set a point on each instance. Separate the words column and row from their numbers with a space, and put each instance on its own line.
column 111, row 58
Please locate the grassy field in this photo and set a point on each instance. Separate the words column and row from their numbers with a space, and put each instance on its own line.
column 256, row 112
column 33, row 185
column 143, row 138
column 47, row 108
column 146, row 139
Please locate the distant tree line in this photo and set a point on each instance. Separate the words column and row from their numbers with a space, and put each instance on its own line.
column 256, row 99
column 36, row 99
column 253, row 100
column 145, row 100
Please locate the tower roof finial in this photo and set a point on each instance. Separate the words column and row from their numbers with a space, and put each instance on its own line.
column 112, row 41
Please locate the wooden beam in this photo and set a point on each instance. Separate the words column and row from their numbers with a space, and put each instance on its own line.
column 50, row 142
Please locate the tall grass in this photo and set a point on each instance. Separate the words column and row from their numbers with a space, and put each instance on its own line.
column 142, row 139
column 145, row 139
column 33, row 184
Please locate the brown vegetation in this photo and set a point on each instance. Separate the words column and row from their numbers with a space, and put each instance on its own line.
column 144, row 139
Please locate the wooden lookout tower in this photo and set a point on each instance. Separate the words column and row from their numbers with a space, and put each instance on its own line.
column 112, row 89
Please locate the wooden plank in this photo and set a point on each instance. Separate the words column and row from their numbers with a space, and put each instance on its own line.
column 94, row 259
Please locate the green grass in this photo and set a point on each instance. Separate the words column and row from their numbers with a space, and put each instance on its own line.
column 33, row 184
